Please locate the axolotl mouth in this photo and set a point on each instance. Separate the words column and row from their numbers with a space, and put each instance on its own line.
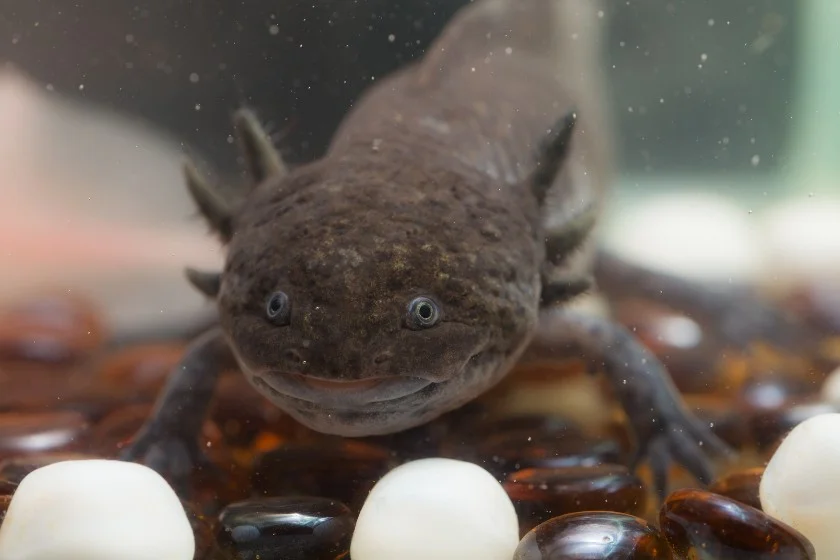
column 371, row 406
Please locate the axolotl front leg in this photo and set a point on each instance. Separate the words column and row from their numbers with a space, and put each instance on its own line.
column 663, row 428
column 168, row 441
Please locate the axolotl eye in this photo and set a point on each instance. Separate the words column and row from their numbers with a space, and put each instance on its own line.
column 279, row 309
column 423, row 313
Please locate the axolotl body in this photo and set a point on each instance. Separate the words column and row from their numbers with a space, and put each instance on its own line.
column 412, row 267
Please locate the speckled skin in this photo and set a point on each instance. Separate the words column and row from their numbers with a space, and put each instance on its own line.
column 464, row 179
column 424, row 191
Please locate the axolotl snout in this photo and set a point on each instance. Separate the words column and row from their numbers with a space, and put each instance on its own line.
column 408, row 271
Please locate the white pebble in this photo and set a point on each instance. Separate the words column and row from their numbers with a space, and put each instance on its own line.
column 831, row 388
column 95, row 510
column 693, row 234
column 801, row 484
column 436, row 508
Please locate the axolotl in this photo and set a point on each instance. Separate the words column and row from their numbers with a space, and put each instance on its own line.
column 408, row 271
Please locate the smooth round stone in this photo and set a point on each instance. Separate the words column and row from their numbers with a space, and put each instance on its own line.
column 52, row 329
column 801, row 482
column 339, row 469
column 436, row 508
column 95, row 510
column 509, row 453
column 741, row 486
column 303, row 528
column 830, row 390
column 769, row 392
column 540, row 494
column 35, row 432
column 593, row 535
column 700, row 524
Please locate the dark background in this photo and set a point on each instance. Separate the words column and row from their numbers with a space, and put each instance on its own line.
column 300, row 64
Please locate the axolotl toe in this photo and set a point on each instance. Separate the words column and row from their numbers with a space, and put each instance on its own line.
column 408, row 270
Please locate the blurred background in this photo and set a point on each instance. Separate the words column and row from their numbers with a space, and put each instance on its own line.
column 726, row 115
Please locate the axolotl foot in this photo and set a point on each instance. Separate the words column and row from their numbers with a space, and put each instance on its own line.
column 665, row 430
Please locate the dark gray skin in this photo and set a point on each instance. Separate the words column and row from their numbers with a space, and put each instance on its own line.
column 467, row 180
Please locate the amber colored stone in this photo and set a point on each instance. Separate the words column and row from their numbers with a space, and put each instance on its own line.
column 52, row 329
column 540, row 494
column 5, row 500
column 726, row 419
column 593, row 535
column 700, row 524
column 297, row 528
column 741, row 486
column 15, row 469
column 242, row 413
column 7, row 486
column 769, row 426
column 508, row 453
column 464, row 438
column 38, row 432
column 339, row 469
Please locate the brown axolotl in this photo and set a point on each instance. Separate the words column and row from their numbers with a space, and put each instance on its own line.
column 407, row 271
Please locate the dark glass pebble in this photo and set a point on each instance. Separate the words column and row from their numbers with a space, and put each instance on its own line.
column 52, row 330
column 540, row 494
column 727, row 420
column 508, row 453
column 741, row 486
column 5, row 500
column 339, row 469
column 464, row 438
column 7, row 486
column 22, row 433
column 700, row 524
column 302, row 528
column 774, row 390
column 16, row 468
column 768, row 427
column 594, row 535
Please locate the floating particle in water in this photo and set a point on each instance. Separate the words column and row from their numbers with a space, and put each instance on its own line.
column 755, row 160
column 274, row 29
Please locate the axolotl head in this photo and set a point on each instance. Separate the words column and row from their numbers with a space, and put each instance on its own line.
column 364, row 302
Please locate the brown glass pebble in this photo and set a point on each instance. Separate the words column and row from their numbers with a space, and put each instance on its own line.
column 16, row 468
column 51, row 329
column 768, row 427
column 700, row 524
column 594, row 535
column 508, row 453
column 22, row 433
column 340, row 469
column 137, row 373
column 302, row 528
column 727, row 420
column 5, row 500
column 741, row 486
column 540, row 494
